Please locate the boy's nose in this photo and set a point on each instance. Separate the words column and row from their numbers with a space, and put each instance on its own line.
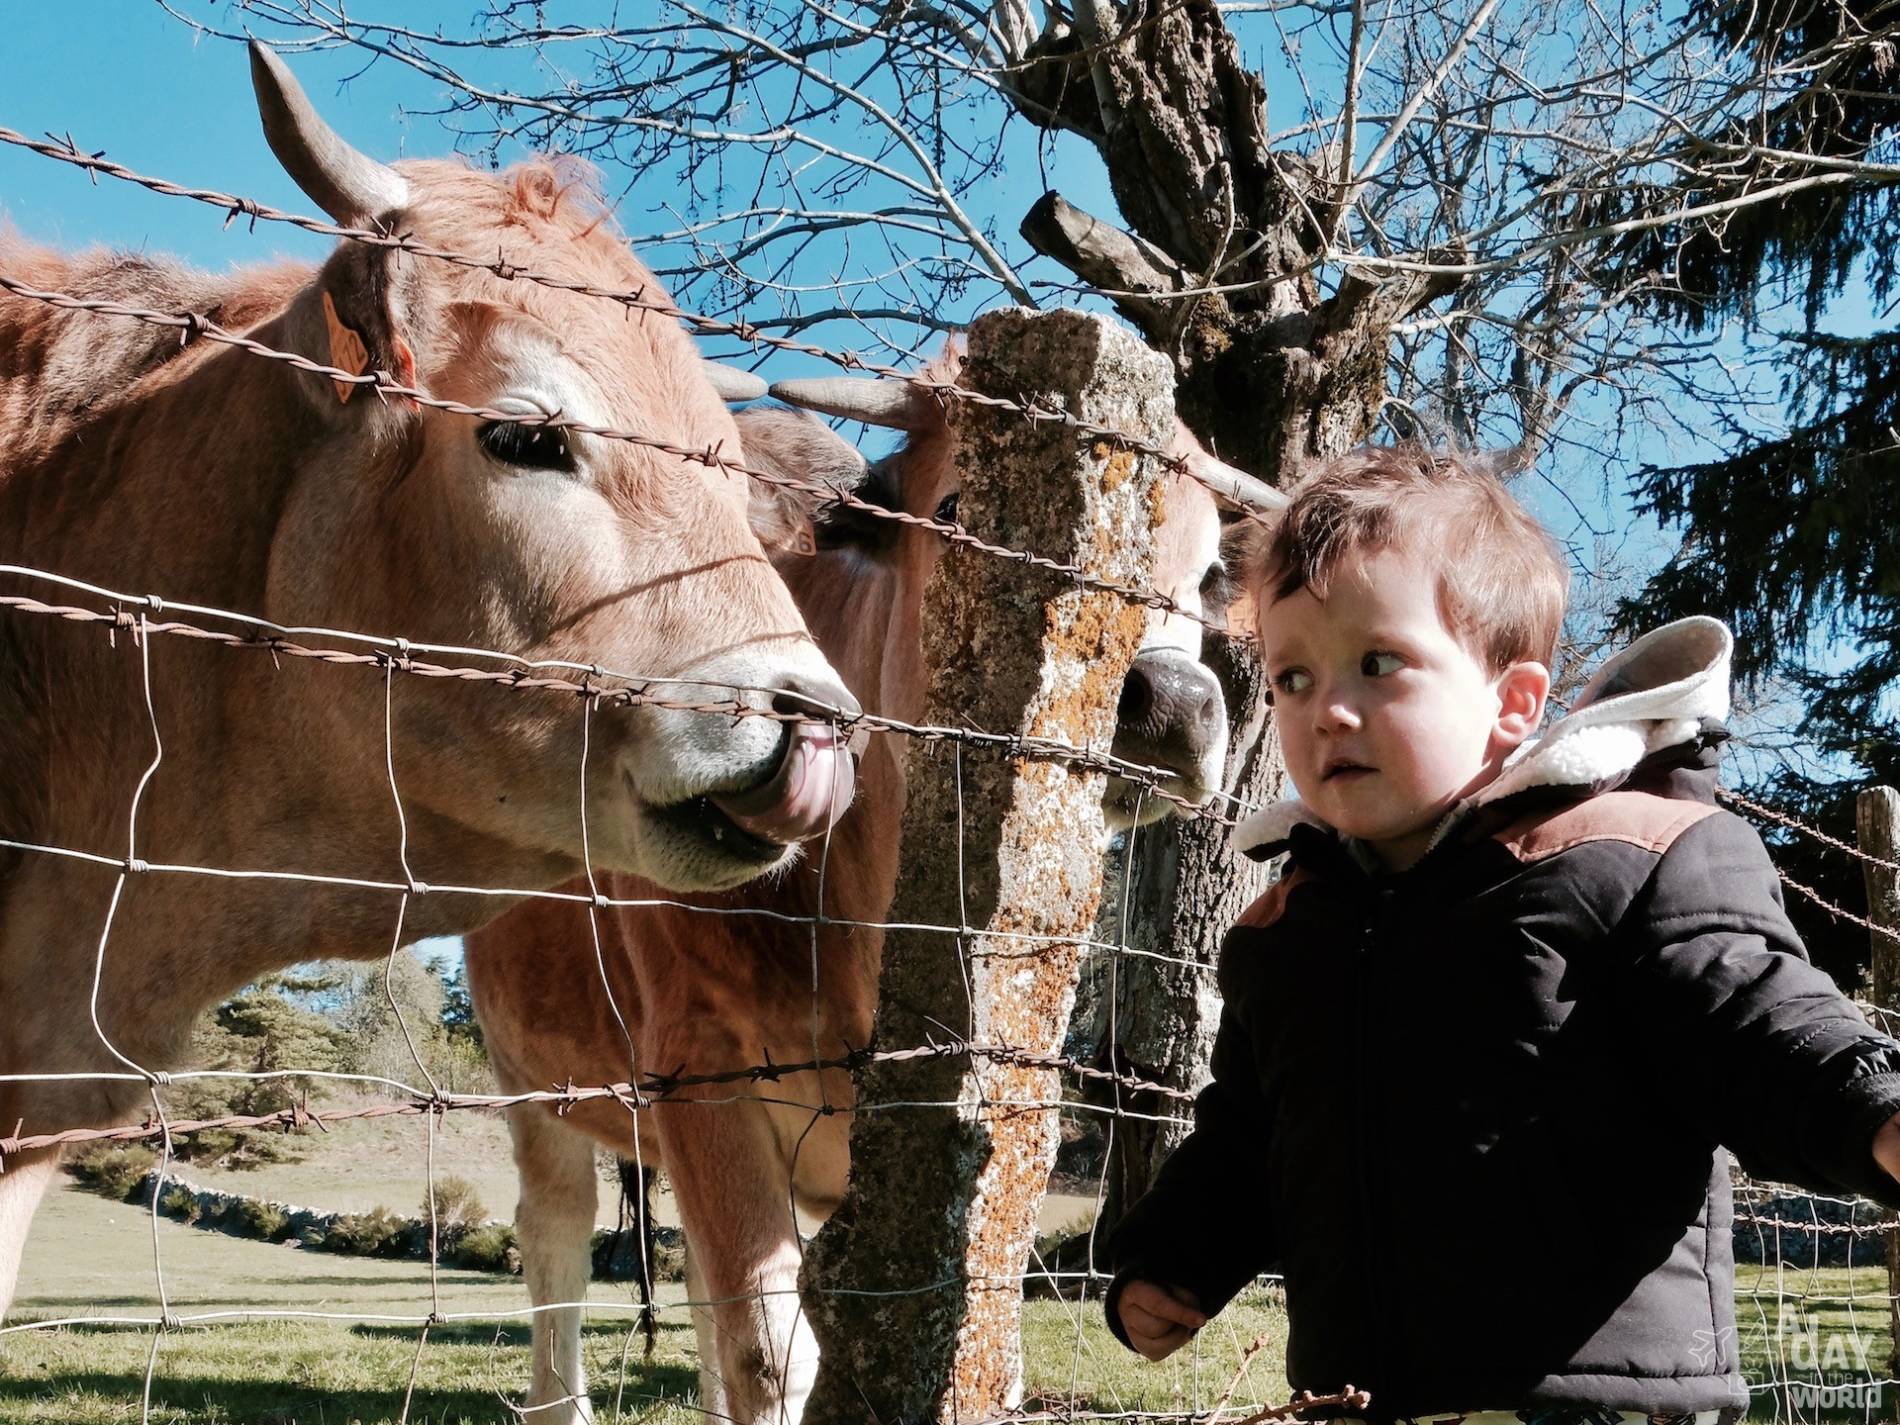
column 1336, row 716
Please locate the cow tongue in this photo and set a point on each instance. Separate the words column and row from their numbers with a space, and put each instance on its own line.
column 806, row 796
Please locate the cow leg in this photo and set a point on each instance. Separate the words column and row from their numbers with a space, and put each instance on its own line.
column 729, row 1180
column 554, row 1225
column 712, row 1387
column 22, row 1184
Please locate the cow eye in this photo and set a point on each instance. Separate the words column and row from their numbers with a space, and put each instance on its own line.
column 533, row 447
column 842, row 526
column 947, row 509
column 1217, row 586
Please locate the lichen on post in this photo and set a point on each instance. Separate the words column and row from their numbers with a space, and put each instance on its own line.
column 913, row 1287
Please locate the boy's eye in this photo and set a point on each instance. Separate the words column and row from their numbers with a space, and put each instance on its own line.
column 1378, row 665
column 1292, row 680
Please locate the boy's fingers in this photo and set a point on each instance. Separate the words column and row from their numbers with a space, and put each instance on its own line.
column 1171, row 1309
column 1168, row 1342
column 1139, row 1321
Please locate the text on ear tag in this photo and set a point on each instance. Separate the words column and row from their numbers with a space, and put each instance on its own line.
column 347, row 352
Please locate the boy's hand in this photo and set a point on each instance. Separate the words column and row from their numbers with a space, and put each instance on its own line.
column 1159, row 1319
column 1887, row 1147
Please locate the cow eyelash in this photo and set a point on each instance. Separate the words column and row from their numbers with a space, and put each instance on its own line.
column 1218, row 587
column 532, row 447
column 841, row 526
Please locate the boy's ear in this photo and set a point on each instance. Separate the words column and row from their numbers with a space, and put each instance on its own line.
column 355, row 317
column 1522, row 689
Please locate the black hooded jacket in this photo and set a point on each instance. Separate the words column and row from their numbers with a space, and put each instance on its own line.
column 1476, row 1111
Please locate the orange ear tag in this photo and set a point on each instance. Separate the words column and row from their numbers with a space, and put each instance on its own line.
column 347, row 352
column 406, row 371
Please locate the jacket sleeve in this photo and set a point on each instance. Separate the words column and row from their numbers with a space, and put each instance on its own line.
column 1796, row 1080
column 1204, row 1224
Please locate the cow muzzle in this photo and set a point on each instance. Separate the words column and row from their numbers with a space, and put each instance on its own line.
column 797, row 791
column 803, row 796
column 1171, row 715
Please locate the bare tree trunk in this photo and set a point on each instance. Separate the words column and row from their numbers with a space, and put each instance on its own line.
column 1188, row 886
column 1877, row 813
column 913, row 1286
column 1271, row 371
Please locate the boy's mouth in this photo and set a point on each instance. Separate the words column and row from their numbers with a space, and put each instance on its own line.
column 1345, row 770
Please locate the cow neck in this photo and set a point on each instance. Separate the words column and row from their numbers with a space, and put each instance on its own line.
column 107, row 408
column 133, row 463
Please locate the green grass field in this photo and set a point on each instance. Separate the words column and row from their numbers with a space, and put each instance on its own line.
column 93, row 1257
column 90, row 1257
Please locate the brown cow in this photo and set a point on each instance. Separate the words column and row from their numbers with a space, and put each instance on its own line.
column 209, row 475
column 722, row 991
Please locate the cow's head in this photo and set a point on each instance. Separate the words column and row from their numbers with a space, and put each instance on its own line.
column 1171, row 713
column 488, row 532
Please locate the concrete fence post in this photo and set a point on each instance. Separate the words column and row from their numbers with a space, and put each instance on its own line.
column 1876, row 818
column 913, row 1287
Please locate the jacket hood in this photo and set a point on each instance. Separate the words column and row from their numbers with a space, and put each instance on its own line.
column 1665, row 690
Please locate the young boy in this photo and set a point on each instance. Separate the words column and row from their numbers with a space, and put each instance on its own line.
column 1485, row 1040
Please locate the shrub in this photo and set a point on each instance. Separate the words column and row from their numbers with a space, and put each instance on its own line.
column 458, row 1207
column 264, row 1219
column 112, row 1170
column 180, row 1202
column 363, row 1234
column 488, row 1248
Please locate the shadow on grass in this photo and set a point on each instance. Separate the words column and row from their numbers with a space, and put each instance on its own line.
column 262, row 1402
column 144, row 1306
column 508, row 1333
column 185, row 1396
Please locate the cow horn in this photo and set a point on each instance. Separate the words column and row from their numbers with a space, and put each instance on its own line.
column 874, row 400
column 1235, row 486
column 732, row 384
column 348, row 185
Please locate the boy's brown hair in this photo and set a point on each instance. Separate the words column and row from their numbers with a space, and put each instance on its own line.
column 1502, row 584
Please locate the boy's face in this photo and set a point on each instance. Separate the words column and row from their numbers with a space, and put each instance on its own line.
column 1386, row 719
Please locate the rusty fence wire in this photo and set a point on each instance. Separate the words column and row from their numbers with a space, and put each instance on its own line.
column 1817, row 1275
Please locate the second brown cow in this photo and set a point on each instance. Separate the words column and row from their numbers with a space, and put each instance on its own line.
column 690, row 986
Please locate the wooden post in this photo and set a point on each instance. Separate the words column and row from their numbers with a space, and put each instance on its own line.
column 1876, row 816
column 913, row 1287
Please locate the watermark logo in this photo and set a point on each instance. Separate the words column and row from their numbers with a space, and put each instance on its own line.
column 1825, row 1367
column 1708, row 1345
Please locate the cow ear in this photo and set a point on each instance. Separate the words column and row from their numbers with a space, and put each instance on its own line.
column 355, row 318
column 782, row 520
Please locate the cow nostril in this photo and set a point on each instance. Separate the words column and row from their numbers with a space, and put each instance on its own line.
column 818, row 699
column 1209, row 709
column 1138, row 696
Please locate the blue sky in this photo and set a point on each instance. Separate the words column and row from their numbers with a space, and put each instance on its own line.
column 124, row 76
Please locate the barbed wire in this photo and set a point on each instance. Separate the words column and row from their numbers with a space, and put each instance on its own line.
column 1813, row 833
column 1838, row 912
column 65, row 150
column 653, row 1087
column 399, row 654
column 193, row 326
column 656, row 1087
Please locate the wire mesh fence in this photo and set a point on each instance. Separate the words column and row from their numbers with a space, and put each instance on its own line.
column 628, row 1007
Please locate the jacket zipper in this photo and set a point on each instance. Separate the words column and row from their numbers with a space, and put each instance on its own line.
column 1368, row 1272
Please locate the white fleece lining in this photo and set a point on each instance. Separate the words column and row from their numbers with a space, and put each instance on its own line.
column 1602, row 739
